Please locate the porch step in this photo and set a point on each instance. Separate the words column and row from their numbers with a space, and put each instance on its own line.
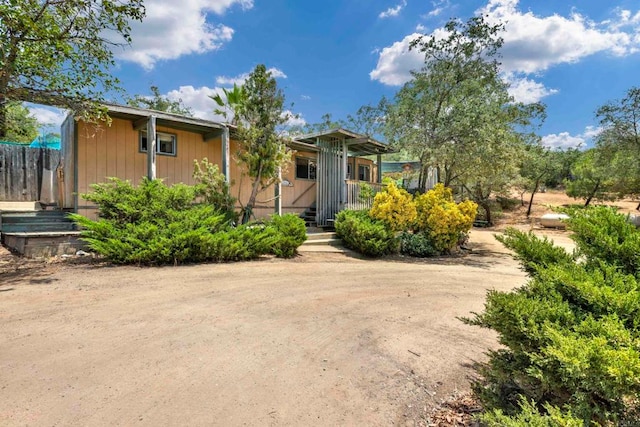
column 323, row 242
column 35, row 221
column 19, row 206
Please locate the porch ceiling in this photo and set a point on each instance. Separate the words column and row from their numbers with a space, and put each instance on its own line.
column 358, row 145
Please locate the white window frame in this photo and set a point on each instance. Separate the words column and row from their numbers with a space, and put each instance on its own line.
column 166, row 137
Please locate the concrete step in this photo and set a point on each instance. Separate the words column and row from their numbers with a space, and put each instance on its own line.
column 19, row 206
column 45, row 226
column 320, row 236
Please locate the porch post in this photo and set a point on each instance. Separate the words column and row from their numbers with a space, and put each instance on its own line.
column 343, row 174
column 278, row 194
column 225, row 155
column 379, row 177
column 151, row 147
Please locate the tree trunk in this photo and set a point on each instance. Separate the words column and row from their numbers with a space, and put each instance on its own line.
column 3, row 118
column 248, row 208
column 593, row 193
column 535, row 189
column 487, row 209
column 638, row 207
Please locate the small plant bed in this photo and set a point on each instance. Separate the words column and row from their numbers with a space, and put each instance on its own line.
column 155, row 224
column 419, row 226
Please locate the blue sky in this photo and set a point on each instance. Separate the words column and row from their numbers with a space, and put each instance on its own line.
column 334, row 56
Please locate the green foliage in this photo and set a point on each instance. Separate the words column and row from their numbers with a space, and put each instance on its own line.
column 258, row 111
column 395, row 207
column 528, row 416
column 59, row 52
column 571, row 335
column 603, row 235
column 368, row 236
column 154, row 224
column 533, row 252
column 444, row 220
column 620, row 139
column 213, row 188
column 592, row 178
column 291, row 232
column 159, row 102
column 419, row 245
column 21, row 127
column 456, row 114
column 366, row 194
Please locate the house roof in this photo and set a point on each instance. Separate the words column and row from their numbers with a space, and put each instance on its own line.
column 359, row 145
column 139, row 116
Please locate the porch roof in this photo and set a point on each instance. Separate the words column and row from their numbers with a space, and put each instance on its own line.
column 139, row 117
column 359, row 145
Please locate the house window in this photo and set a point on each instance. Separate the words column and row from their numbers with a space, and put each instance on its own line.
column 364, row 173
column 305, row 168
column 165, row 143
column 349, row 171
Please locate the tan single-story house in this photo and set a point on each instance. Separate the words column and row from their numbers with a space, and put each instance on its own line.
column 325, row 172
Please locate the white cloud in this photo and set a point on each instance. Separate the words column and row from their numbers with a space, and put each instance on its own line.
column 532, row 43
column 421, row 28
column 294, row 119
column 526, row 90
column 172, row 29
column 305, row 97
column 198, row 99
column 564, row 140
column 393, row 11
column 48, row 116
column 240, row 79
column 396, row 62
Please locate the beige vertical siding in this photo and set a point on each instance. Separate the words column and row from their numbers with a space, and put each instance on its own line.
column 113, row 151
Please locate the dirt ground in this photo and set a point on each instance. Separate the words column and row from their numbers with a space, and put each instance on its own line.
column 323, row 339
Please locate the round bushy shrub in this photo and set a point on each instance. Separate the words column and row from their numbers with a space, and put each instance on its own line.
column 364, row 234
column 442, row 218
column 291, row 232
column 417, row 245
column 395, row 207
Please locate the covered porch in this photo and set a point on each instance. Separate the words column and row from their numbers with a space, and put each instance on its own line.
column 339, row 181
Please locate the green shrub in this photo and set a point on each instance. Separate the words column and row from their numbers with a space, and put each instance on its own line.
column 446, row 221
column 368, row 236
column 212, row 186
column 291, row 232
column 155, row 224
column 533, row 252
column 571, row 335
column 417, row 245
column 603, row 235
column 529, row 416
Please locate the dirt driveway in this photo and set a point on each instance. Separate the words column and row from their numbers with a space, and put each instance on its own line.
column 324, row 339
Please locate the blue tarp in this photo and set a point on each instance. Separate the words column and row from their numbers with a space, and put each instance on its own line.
column 46, row 141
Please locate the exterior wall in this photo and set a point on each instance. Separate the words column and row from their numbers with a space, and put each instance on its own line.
column 295, row 198
column 373, row 168
column 113, row 151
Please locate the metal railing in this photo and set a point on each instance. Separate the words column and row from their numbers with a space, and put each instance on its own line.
column 360, row 194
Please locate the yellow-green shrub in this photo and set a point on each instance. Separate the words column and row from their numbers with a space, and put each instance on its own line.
column 395, row 207
column 442, row 218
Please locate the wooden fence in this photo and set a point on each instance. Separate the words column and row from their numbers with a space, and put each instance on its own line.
column 24, row 171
